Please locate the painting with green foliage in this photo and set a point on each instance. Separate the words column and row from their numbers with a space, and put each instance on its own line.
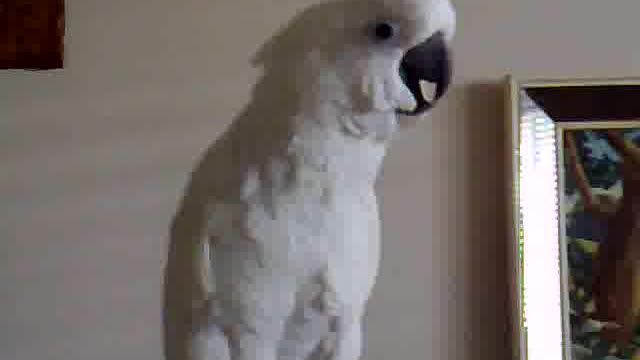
column 601, row 206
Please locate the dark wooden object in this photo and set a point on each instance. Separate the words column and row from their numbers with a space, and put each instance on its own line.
column 31, row 34
column 588, row 103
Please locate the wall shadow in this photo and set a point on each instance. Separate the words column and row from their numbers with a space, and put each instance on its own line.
column 487, row 245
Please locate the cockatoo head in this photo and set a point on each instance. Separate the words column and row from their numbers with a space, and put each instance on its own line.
column 366, row 55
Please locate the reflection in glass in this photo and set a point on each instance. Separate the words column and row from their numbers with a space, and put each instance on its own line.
column 539, row 224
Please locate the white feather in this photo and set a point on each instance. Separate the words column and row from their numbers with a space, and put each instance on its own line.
column 290, row 239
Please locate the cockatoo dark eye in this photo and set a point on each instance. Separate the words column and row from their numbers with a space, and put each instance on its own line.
column 384, row 31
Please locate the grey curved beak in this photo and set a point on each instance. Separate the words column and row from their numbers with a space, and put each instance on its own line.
column 429, row 61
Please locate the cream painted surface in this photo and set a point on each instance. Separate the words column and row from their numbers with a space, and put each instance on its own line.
column 94, row 158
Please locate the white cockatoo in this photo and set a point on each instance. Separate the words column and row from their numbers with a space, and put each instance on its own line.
column 275, row 249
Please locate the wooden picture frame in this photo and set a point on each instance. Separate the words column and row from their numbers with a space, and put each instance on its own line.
column 548, row 303
column 32, row 34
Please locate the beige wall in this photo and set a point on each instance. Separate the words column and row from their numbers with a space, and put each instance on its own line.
column 94, row 159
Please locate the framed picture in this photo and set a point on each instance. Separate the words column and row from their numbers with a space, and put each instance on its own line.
column 574, row 150
column 600, row 236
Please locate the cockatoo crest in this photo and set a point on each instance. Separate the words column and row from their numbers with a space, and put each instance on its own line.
column 365, row 55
